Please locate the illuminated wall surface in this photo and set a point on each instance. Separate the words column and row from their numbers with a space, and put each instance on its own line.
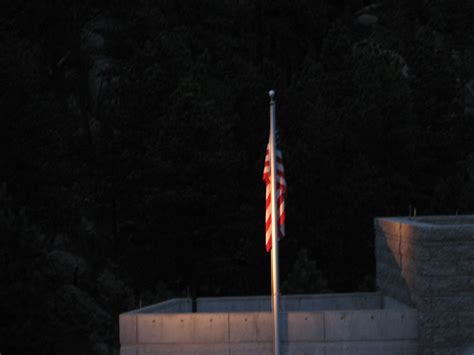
column 358, row 323
column 428, row 263
column 425, row 305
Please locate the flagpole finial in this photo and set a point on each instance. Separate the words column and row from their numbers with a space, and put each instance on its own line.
column 271, row 93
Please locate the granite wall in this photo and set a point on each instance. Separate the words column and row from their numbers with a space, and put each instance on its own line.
column 428, row 263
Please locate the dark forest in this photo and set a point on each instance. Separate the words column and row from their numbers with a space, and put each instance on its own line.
column 133, row 136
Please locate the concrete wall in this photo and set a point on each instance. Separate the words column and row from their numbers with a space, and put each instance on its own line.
column 291, row 303
column 330, row 332
column 428, row 263
column 174, row 305
column 391, row 303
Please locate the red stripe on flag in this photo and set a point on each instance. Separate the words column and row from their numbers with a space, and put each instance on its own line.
column 269, row 244
column 281, row 194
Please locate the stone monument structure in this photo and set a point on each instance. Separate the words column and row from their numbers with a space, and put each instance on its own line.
column 428, row 264
column 424, row 305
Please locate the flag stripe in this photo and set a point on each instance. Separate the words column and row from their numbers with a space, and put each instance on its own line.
column 281, row 196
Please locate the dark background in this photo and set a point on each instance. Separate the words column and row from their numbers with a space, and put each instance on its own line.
column 133, row 133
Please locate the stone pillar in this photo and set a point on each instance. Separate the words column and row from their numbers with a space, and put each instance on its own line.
column 428, row 263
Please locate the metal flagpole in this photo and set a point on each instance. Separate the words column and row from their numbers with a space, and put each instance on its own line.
column 275, row 231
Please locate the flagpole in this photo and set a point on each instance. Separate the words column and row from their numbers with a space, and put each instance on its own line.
column 275, row 232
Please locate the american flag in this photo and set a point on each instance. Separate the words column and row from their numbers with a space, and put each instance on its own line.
column 280, row 191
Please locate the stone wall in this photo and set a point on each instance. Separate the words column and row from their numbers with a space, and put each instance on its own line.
column 428, row 263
